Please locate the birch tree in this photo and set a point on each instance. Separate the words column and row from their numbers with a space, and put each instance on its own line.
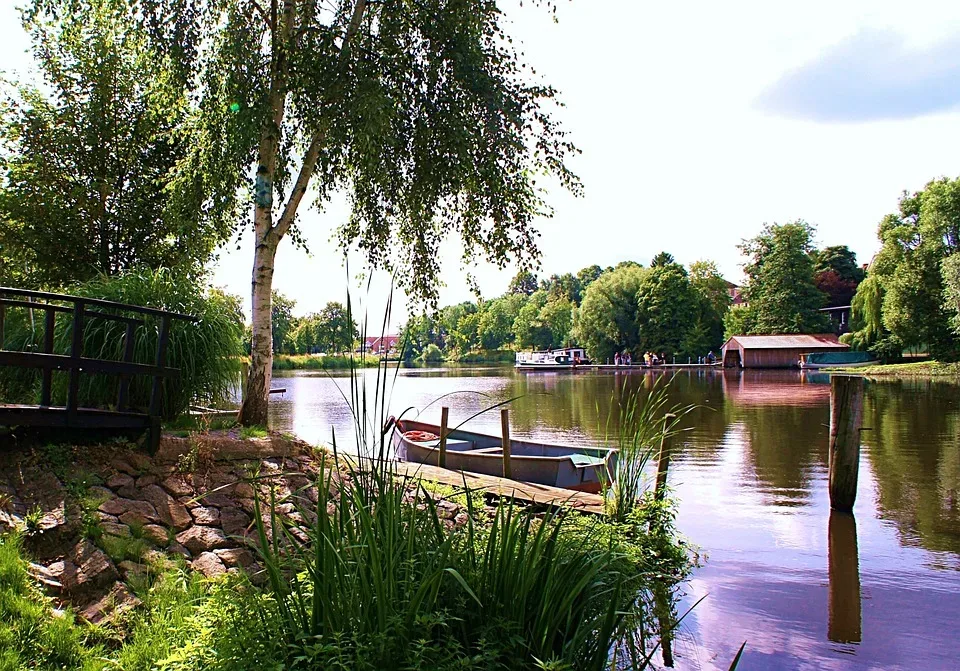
column 420, row 110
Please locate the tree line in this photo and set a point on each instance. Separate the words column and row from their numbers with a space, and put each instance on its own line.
column 911, row 295
column 330, row 331
column 665, row 308
column 789, row 282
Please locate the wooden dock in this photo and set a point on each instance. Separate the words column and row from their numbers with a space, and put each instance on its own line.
column 524, row 492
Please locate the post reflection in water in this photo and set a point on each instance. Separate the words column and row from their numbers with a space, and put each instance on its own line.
column 843, row 559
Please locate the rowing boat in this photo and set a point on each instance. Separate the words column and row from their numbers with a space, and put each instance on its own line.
column 571, row 467
column 819, row 360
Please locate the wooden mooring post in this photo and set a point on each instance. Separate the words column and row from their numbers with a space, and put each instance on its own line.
column 505, row 429
column 663, row 459
column 846, row 412
column 442, row 450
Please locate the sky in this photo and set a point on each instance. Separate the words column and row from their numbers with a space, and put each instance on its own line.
column 698, row 122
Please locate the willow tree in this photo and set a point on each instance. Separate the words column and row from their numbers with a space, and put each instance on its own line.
column 420, row 110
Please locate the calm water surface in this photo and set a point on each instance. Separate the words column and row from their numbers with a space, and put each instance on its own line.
column 806, row 591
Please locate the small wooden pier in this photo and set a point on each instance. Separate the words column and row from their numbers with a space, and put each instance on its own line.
column 73, row 414
column 524, row 492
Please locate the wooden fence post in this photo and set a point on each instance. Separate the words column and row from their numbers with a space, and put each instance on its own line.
column 505, row 429
column 846, row 410
column 442, row 454
column 49, row 323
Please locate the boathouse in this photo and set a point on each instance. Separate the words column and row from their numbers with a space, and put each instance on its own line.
column 776, row 351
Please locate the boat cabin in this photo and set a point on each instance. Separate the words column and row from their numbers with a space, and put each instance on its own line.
column 568, row 356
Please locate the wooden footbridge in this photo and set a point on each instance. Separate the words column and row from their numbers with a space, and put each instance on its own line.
column 73, row 413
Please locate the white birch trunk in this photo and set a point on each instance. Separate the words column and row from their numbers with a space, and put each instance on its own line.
column 254, row 409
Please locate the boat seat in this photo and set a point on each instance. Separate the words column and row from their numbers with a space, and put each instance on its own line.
column 585, row 460
column 487, row 450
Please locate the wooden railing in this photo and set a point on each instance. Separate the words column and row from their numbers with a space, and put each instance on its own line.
column 73, row 414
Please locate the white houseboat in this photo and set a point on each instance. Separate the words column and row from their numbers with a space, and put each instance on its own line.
column 555, row 359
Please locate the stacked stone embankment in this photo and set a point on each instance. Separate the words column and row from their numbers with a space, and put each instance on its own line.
column 194, row 499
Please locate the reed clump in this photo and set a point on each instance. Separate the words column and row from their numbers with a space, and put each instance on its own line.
column 644, row 422
column 383, row 583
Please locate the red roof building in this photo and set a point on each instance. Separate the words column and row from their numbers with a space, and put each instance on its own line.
column 776, row 351
column 381, row 345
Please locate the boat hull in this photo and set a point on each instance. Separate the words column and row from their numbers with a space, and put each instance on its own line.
column 569, row 467
column 818, row 366
column 546, row 366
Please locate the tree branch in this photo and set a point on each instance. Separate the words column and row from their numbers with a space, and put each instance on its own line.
column 262, row 12
column 316, row 142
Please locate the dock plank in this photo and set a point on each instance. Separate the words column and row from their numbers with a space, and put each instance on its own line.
column 526, row 492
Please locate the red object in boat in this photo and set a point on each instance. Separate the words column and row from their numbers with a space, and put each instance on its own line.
column 421, row 436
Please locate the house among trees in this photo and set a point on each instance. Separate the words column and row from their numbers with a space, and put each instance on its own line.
column 776, row 351
column 381, row 345
column 839, row 318
column 735, row 293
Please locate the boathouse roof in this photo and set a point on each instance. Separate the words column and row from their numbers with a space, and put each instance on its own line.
column 789, row 341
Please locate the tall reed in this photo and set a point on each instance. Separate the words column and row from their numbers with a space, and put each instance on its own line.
column 645, row 420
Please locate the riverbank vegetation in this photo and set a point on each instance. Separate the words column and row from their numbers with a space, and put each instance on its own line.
column 917, row 369
column 324, row 361
column 911, row 297
column 381, row 580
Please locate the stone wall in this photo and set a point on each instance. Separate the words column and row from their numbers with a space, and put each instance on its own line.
column 195, row 499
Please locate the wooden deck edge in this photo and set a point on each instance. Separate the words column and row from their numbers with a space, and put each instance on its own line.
column 526, row 492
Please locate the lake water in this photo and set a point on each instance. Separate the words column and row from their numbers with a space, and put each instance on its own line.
column 806, row 591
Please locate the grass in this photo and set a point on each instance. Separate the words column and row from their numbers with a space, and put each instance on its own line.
column 248, row 432
column 327, row 362
column 30, row 636
column 186, row 424
column 918, row 369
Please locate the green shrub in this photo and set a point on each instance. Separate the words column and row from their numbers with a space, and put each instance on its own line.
column 431, row 354
column 31, row 637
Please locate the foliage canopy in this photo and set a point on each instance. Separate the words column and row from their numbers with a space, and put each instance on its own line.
column 90, row 153
column 780, row 286
column 914, row 276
